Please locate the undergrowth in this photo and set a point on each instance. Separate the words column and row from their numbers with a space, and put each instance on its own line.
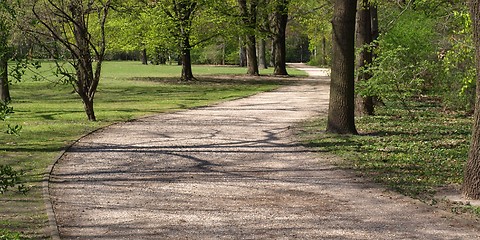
column 413, row 156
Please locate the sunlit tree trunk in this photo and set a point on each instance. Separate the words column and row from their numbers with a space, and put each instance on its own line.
column 249, row 18
column 341, row 112
column 280, row 20
column 471, row 181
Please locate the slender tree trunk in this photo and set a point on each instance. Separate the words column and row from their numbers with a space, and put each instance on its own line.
column 224, row 50
column 4, row 89
column 88, row 107
column 273, row 51
column 324, row 51
column 86, row 82
column 144, row 56
column 242, row 54
column 364, row 104
column 262, row 58
column 341, row 112
column 471, row 181
column 280, row 26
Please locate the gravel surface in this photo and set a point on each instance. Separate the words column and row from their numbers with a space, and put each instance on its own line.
column 230, row 171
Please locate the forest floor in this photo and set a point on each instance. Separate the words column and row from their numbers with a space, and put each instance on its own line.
column 234, row 170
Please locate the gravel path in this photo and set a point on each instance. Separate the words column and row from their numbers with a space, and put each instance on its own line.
column 230, row 171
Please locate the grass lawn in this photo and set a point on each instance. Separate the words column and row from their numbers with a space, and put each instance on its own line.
column 412, row 156
column 52, row 117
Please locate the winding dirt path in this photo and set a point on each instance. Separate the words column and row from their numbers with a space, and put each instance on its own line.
column 230, row 171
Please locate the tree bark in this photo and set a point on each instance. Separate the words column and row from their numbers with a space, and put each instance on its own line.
column 4, row 56
column 364, row 104
column 4, row 88
column 252, row 63
column 262, row 58
column 324, row 51
column 242, row 54
column 187, row 74
column 273, row 51
column 471, row 181
column 280, row 20
column 249, row 18
column 86, row 82
column 341, row 112
column 144, row 56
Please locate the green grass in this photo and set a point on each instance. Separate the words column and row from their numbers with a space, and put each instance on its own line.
column 52, row 117
column 411, row 156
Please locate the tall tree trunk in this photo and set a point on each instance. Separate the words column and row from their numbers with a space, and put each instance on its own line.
column 273, row 51
column 4, row 89
column 4, row 56
column 86, row 82
column 471, row 181
column 187, row 74
column 252, row 63
column 341, row 112
column 280, row 27
column 144, row 56
column 262, row 58
column 364, row 104
column 249, row 18
column 374, row 21
column 242, row 53
column 324, row 51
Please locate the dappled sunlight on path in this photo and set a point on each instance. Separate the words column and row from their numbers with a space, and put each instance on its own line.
column 230, row 171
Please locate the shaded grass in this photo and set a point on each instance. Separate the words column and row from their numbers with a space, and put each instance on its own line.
column 411, row 156
column 52, row 117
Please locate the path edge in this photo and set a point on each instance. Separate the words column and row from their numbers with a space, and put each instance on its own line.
column 52, row 228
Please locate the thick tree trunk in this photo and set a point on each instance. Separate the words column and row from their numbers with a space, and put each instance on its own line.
column 4, row 89
column 280, row 26
column 364, row 104
column 471, row 181
column 144, row 56
column 249, row 18
column 252, row 63
column 262, row 58
column 187, row 74
column 341, row 112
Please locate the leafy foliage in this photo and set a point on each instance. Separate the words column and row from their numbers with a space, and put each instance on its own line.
column 404, row 60
column 10, row 178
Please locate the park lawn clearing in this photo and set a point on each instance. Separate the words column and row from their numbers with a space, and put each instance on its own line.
column 415, row 157
column 52, row 118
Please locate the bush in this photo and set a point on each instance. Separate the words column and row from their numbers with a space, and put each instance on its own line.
column 405, row 62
